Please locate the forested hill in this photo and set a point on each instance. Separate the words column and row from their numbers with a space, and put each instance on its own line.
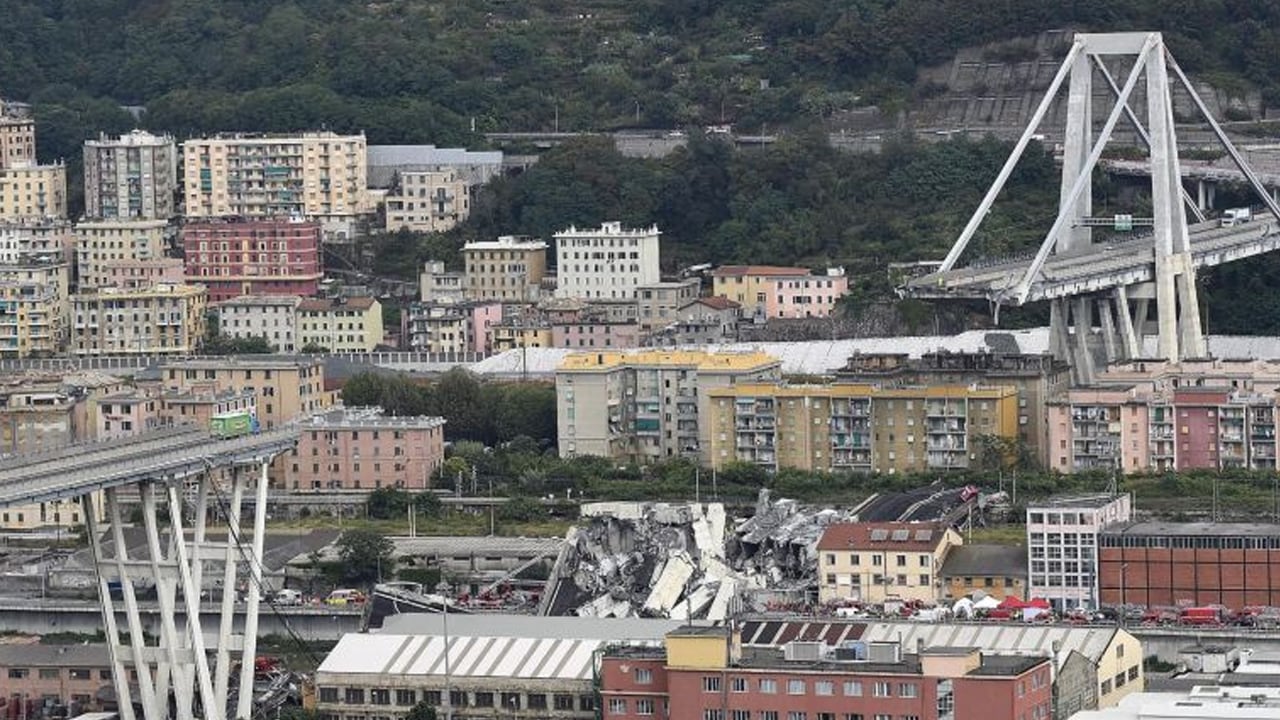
column 422, row 70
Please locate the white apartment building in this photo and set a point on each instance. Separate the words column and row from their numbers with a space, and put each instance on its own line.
column 100, row 243
column 134, row 176
column 609, row 262
column 435, row 284
column 425, row 201
column 1062, row 546
column 273, row 317
column 318, row 175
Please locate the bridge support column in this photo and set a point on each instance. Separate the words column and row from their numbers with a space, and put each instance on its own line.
column 175, row 677
column 1206, row 194
column 1128, row 338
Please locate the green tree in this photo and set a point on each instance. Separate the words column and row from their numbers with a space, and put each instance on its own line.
column 386, row 503
column 364, row 555
column 421, row 711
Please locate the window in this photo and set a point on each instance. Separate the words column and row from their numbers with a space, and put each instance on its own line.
column 907, row 690
column 1106, row 688
column 824, row 687
column 511, row 701
column 50, row 674
column 712, row 714
column 106, row 675
column 738, row 685
column 882, row 716
column 562, row 702
column 796, row 715
column 768, row 715
column 18, row 673
column 409, row 698
column 882, row 689
column 853, row 688
column 795, row 687
column 80, row 673
column 1120, row 650
column 910, row 717
column 902, row 561
column 1133, row 673
column 617, row 706
column 924, row 579
column 644, row 706
column 853, row 716
column 379, row 697
column 586, row 703
column 644, row 676
column 328, row 695
column 740, row 715
column 768, row 686
column 354, row 696
column 711, row 683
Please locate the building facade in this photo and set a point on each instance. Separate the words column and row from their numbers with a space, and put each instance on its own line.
column 426, row 201
column 254, row 257
column 609, row 262
column 438, row 328
column 285, row 388
column 102, row 244
column 658, row 305
column 42, row 678
column 340, row 324
column 997, row 570
column 435, row 284
column 135, row 274
column 767, row 291
column 872, row 562
column 156, row 320
column 510, row 268
column 17, row 140
column 34, row 308
column 132, row 177
column 316, row 175
column 1062, row 547
column 858, row 428
column 33, row 192
column 646, row 406
column 360, row 449
column 1155, row 564
column 273, row 317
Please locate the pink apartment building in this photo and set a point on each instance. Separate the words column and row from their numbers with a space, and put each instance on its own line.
column 33, row 676
column 483, row 316
column 362, row 449
column 589, row 334
column 234, row 257
column 135, row 274
column 768, row 292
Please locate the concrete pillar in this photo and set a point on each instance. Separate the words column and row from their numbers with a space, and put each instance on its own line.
column 1200, row 195
column 1128, row 338
column 1083, row 355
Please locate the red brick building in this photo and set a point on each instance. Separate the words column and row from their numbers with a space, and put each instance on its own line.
column 253, row 257
column 704, row 673
column 1153, row 564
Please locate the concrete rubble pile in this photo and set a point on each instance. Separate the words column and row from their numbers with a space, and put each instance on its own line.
column 679, row 561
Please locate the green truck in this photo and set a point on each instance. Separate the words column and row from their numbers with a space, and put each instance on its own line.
column 233, row 424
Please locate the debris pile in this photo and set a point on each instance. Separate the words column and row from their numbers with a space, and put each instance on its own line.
column 679, row 561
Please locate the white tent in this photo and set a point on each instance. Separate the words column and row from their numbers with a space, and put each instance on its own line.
column 987, row 603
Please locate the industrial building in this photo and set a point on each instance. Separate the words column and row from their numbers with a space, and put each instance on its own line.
column 1203, row 702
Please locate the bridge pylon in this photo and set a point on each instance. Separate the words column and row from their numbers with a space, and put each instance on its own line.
column 1104, row 319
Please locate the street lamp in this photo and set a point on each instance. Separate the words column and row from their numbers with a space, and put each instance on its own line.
column 443, row 589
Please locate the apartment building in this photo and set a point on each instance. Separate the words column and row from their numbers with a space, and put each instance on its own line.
column 273, row 317
column 510, row 268
column 102, row 244
column 1200, row 564
column 997, row 570
column 648, row 405
column 1062, row 546
column 285, row 387
column 361, row 449
column 767, row 291
column 40, row 678
column 340, row 324
column 135, row 274
column 706, row 673
column 271, row 256
column 580, row 325
column 33, row 238
column 658, row 305
column 134, row 176
column 857, row 428
column 33, row 192
column 155, row 320
column 438, row 328
column 17, row 140
column 516, row 333
column 435, row 284
column 427, row 201
column 37, row 305
column 873, row 562
column 318, row 175
column 179, row 407
column 609, row 262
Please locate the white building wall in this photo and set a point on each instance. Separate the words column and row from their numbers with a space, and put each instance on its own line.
column 606, row 263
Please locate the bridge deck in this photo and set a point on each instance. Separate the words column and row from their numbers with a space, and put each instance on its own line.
column 74, row 471
column 1096, row 268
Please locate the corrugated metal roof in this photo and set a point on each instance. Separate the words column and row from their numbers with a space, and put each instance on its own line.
column 1023, row 639
column 774, row 633
column 469, row 656
column 531, row 626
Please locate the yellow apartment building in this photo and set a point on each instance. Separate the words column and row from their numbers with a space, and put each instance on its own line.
column 99, row 244
column 509, row 268
column 318, row 175
column 34, row 309
column 428, row 201
column 877, row 561
column 649, row 405
column 31, row 192
column 163, row 319
column 857, row 428
column 17, row 140
column 340, row 324
column 284, row 388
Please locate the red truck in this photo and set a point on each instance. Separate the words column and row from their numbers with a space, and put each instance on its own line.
column 1201, row 616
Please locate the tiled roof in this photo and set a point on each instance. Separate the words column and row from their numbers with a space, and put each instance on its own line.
column 887, row 536
column 986, row 561
column 771, row 270
column 715, row 302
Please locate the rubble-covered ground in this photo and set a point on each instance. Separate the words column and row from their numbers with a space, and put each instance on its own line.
column 681, row 561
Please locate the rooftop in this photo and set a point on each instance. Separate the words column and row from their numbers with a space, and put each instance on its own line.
column 1035, row 640
column 715, row 302
column 1074, row 501
column 778, row 632
column 246, row 362
column 766, row 657
column 888, row 536
column 1194, row 529
column 608, row 229
column 31, row 655
column 249, row 300
column 132, row 138
column 507, row 242
column 370, row 417
column 764, row 270
column 699, row 359
column 327, row 305
column 156, row 290
column 986, row 561
column 533, row 627
column 1006, row 665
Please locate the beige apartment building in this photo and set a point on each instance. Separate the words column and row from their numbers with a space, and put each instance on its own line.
column 134, row 274
column 156, row 320
column 659, row 304
column 872, row 562
column 51, row 236
column 285, row 388
column 362, row 449
column 317, row 175
column 100, row 244
column 32, row 319
column 17, row 140
column 646, row 406
column 426, row 201
column 274, row 317
column 134, row 176
column 33, row 192
column 509, row 268
column 856, row 428
column 439, row 328
column 340, row 324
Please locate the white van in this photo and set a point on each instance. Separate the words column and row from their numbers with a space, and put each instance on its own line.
column 288, row 597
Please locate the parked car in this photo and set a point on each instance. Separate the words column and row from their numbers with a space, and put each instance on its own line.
column 345, row 596
column 288, row 597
